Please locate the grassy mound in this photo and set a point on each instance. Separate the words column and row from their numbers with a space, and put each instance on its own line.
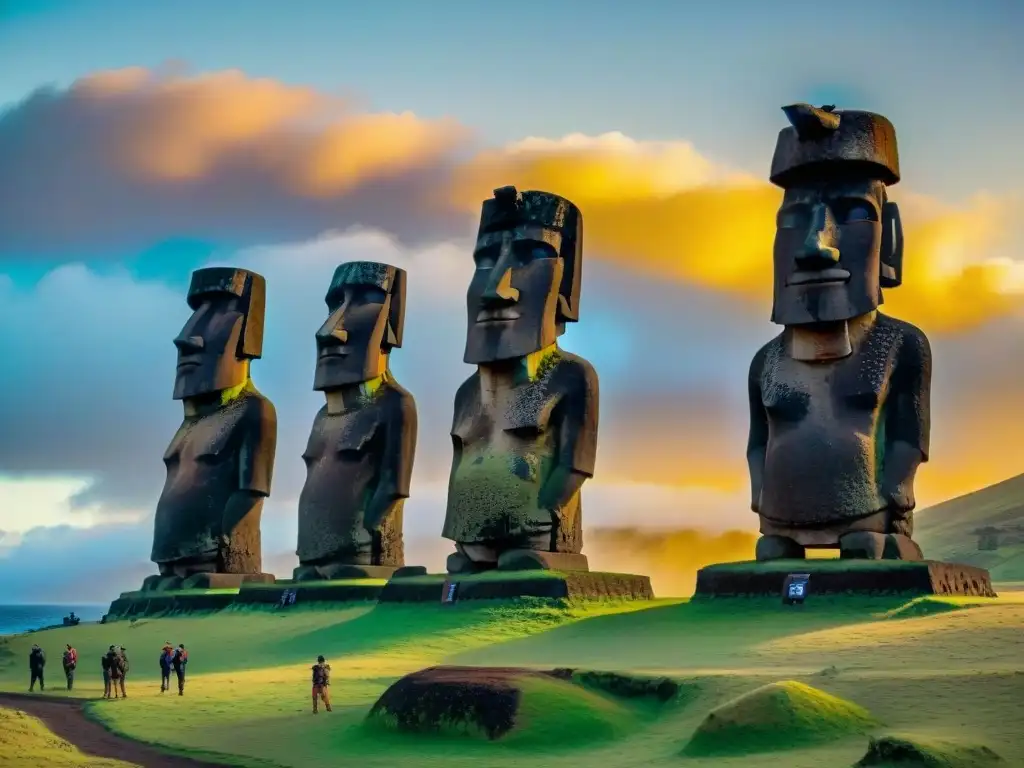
column 930, row 605
column 911, row 752
column 523, row 708
column 25, row 741
column 778, row 716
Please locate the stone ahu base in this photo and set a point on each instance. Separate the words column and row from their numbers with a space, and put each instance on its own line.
column 159, row 583
column 134, row 605
column 349, row 584
column 513, row 584
column 850, row 576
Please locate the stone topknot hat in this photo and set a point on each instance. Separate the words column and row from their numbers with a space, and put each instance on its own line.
column 818, row 137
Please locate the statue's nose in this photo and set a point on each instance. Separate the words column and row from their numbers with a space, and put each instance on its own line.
column 820, row 251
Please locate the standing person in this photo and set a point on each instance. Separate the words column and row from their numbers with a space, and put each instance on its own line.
column 166, row 655
column 36, row 662
column 122, row 668
column 178, row 661
column 70, row 661
column 114, row 664
column 105, row 664
column 321, row 682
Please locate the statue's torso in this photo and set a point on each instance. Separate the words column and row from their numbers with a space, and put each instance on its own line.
column 343, row 461
column 202, row 463
column 509, row 447
column 826, row 445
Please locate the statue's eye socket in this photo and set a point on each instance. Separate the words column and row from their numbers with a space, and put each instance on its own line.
column 527, row 251
column 858, row 212
column 484, row 259
column 795, row 218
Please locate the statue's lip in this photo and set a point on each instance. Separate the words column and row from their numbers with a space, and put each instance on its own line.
column 188, row 363
column 497, row 315
column 832, row 276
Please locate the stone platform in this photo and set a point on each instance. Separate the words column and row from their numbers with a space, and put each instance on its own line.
column 133, row 605
column 288, row 593
column 506, row 585
column 835, row 577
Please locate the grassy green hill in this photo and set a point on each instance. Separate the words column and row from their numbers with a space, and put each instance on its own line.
column 944, row 531
column 936, row 669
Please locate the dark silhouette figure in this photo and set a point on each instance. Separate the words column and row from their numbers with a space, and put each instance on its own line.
column 220, row 462
column 524, row 430
column 179, row 661
column 166, row 656
column 839, row 401
column 360, row 452
column 36, row 665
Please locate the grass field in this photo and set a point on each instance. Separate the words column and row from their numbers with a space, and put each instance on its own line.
column 929, row 669
column 944, row 531
column 26, row 743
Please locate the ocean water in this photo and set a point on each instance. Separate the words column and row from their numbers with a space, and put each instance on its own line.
column 23, row 618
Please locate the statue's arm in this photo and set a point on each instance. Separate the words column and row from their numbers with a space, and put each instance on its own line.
column 908, row 422
column 396, row 463
column 576, row 419
column 757, row 436
column 255, row 463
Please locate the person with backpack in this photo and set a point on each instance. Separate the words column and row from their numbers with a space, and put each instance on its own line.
column 122, row 668
column 321, row 682
column 166, row 655
column 178, row 661
column 105, row 664
column 36, row 662
column 70, row 661
column 114, row 665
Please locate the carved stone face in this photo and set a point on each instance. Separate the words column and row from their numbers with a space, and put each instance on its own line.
column 513, row 298
column 208, row 346
column 365, row 304
column 828, row 251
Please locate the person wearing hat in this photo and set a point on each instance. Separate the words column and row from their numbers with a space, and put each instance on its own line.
column 166, row 656
column 321, row 683
column 179, row 662
column 36, row 662
column 839, row 400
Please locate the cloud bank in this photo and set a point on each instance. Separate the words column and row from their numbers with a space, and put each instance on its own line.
column 122, row 159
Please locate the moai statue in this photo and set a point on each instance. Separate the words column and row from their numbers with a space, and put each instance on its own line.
column 360, row 452
column 839, row 401
column 221, row 460
column 525, row 424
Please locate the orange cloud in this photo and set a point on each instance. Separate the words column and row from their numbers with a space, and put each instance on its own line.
column 223, row 154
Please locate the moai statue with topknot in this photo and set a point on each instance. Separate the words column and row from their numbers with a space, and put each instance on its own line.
column 839, row 401
column 221, row 460
column 360, row 451
column 525, row 425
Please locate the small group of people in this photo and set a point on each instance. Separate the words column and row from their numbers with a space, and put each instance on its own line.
column 115, row 669
column 37, row 667
column 176, row 659
column 114, row 665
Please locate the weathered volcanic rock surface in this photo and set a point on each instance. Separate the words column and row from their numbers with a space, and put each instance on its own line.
column 493, row 702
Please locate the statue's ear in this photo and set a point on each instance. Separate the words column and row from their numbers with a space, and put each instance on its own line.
column 892, row 247
column 396, row 310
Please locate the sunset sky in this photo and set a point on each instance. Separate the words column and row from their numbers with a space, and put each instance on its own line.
column 139, row 141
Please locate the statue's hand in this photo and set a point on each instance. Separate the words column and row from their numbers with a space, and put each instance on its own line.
column 376, row 511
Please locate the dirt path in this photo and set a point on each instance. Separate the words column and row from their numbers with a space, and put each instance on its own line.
column 65, row 718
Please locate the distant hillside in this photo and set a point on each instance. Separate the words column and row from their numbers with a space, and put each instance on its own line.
column 946, row 531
